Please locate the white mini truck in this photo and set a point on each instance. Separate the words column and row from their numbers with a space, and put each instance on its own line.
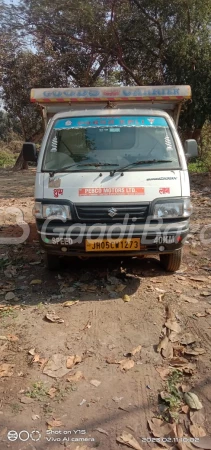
column 112, row 176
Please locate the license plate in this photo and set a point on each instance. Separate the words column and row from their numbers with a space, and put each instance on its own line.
column 112, row 245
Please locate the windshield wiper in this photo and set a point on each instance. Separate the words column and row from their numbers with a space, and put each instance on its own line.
column 147, row 161
column 64, row 169
column 98, row 164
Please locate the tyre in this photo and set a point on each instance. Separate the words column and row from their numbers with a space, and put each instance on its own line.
column 52, row 261
column 171, row 262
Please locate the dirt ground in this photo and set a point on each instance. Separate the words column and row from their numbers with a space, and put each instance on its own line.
column 115, row 390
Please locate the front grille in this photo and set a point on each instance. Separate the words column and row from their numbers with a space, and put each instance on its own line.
column 97, row 212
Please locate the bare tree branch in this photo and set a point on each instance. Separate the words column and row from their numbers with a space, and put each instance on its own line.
column 120, row 57
column 100, row 68
column 89, row 66
column 152, row 19
column 188, row 18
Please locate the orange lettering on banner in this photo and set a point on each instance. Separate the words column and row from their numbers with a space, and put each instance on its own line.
column 111, row 191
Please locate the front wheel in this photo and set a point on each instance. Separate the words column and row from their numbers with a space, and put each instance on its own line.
column 171, row 261
column 52, row 261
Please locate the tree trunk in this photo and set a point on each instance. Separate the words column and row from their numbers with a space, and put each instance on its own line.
column 20, row 164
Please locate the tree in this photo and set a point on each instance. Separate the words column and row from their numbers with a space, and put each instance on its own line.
column 96, row 42
column 20, row 74
column 8, row 126
column 72, row 32
column 169, row 43
column 5, row 126
column 144, row 41
column 63, row 55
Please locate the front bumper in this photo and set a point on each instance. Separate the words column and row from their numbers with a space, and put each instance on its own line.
column 70, row 240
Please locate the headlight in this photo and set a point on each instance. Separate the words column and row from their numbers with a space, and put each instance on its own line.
column 49, row 210
column 62, row 211
column 180, row 208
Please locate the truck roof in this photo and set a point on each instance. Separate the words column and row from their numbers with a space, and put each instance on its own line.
column 165, row 98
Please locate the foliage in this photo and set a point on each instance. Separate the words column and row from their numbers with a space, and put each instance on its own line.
column 72, row 33
column 173, row 397
column 38, row 391
column 197, row 166
column 72, row 42
column 206, row 145
column 7, row 158
column 170, row 43
column 20, row 74
column 5, row 126
column 8, row 127
column 203, row 163
column 10, row 139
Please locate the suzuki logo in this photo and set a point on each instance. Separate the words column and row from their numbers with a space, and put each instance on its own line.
column 112, row 212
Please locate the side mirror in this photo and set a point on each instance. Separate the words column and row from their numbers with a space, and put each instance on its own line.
column 191, row 148
column 29, row 152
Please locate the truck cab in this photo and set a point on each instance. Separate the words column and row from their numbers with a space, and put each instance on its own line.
column 112, row 175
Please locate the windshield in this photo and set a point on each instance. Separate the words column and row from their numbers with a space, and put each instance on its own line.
column 110, row 143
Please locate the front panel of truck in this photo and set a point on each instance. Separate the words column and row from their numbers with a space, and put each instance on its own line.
column 112, row 182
